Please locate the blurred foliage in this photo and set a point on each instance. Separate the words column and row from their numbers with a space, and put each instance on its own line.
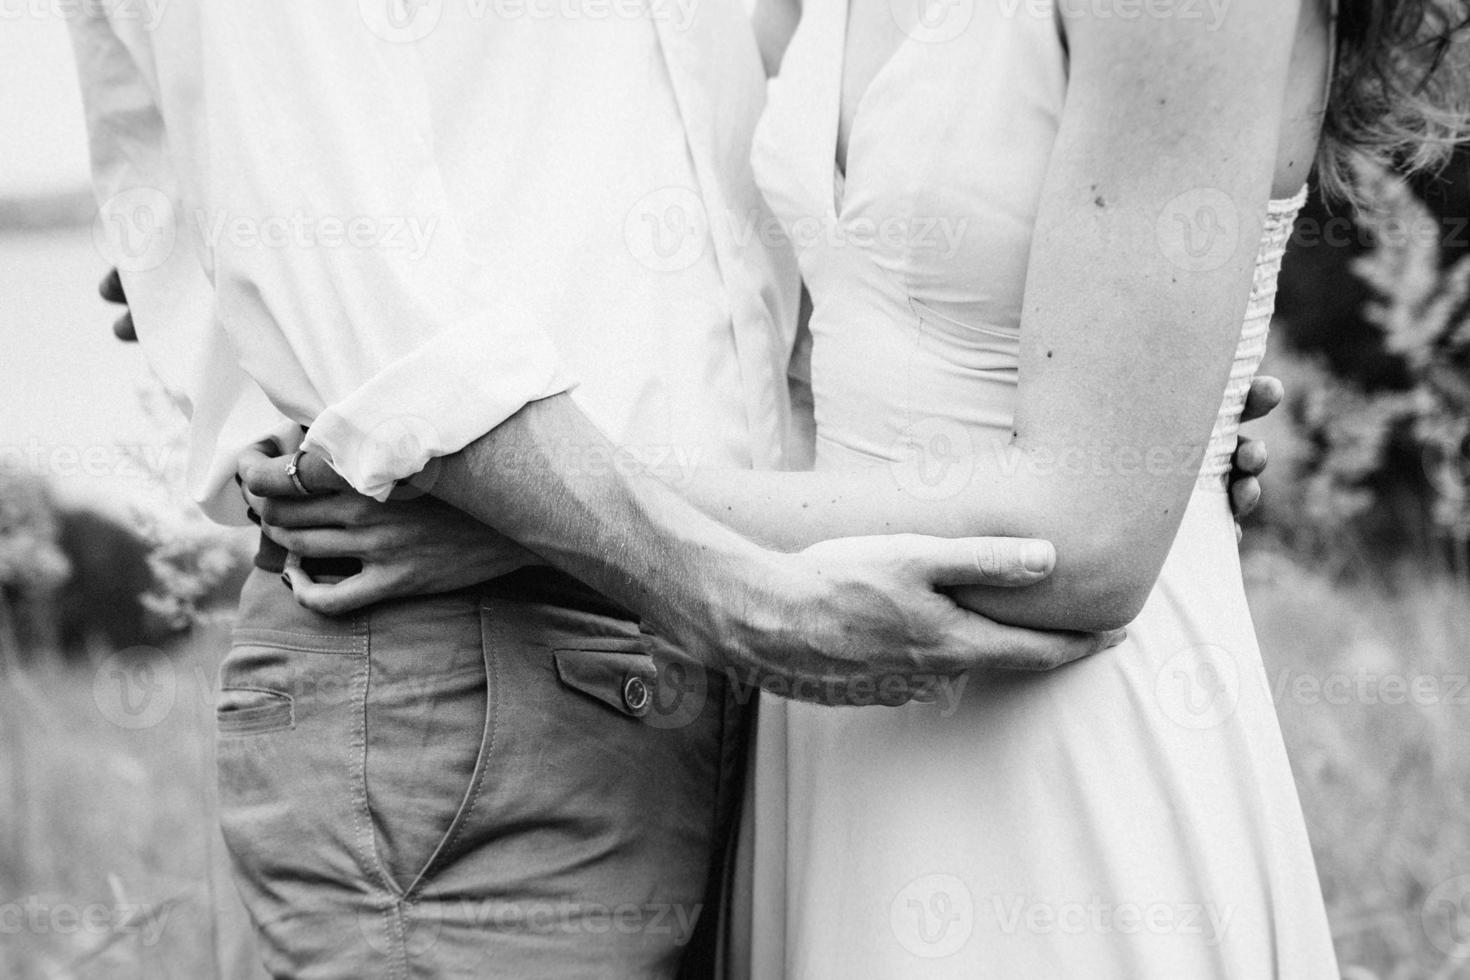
column 31, row 559
column 32, row 563
column 197, row 565
column 1375, row 451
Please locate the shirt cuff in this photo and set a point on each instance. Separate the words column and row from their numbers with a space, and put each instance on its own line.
column 435, row 401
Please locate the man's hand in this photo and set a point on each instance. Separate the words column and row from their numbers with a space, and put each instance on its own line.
column 826, row 624
column 407, row 547
column 1250, row 454
column 860, row 615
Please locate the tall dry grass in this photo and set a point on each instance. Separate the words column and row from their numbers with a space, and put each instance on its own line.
column 1372, row 686
column 110, row 864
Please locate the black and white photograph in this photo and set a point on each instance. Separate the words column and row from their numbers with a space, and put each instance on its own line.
column 735, row 490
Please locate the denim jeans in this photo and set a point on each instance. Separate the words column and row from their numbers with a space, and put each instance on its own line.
column 509, row 781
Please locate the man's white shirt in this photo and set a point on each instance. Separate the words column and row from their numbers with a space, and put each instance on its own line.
column 399, row 223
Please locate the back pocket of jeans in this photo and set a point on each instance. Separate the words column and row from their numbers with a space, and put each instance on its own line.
column 250, row 711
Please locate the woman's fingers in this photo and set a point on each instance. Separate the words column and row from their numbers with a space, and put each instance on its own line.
column 1245, row 496
column 328, row 510
column 1264, row 396
column 266, row 476
column 320, row 542
column 1251, row 457
column 370, row 585
column 123, row 329
column 111, row 288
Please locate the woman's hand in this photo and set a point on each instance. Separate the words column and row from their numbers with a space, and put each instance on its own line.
column 1250, row 457
column 407, row 547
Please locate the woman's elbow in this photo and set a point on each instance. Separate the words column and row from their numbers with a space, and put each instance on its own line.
column 1105, row 603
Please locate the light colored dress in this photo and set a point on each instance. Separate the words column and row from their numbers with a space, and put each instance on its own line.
column 1132, row 816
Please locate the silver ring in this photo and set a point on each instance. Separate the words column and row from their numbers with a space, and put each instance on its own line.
column 293, row 472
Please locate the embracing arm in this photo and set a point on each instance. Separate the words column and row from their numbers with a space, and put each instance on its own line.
column 1125, row 351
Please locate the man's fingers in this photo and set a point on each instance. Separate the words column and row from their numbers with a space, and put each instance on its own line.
column 317, row 542
column 1245, row 496
column 978, row 561
column 1264, row 396
column 337, row 598
column 327, row 510
column 1251, row 457
column 991, row 645
column 111, row 288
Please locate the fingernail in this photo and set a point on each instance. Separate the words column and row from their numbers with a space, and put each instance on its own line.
column 286, row 581
column 1118, row 636
column 1037, row 557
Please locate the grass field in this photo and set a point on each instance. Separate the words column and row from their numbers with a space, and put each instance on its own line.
column 110, row 867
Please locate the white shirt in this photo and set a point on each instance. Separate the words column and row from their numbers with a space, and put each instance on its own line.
column 399, row 224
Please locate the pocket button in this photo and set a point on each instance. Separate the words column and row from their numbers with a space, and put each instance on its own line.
column 636, row 696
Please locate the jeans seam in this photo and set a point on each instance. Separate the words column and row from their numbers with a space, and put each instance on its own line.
column 297, row 641
column 365, row 841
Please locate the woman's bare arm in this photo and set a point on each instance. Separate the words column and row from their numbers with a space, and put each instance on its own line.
column 1125, row 348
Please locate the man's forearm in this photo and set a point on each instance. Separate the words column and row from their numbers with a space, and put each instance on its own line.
column 614, row 526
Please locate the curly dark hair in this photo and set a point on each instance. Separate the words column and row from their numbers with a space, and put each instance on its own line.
column 1401, row 90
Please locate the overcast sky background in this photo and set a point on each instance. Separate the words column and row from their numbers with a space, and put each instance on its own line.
column 68, row 390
